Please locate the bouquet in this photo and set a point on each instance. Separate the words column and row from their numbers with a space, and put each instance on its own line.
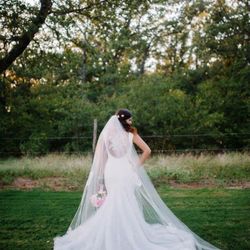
column 98, row 199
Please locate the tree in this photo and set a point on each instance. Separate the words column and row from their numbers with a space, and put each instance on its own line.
column 19, row 42
column 20, row 23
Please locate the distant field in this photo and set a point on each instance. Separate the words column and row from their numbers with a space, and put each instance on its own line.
column 69, row 172
column 30, row 219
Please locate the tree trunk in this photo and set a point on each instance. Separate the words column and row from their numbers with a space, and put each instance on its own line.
column 144, row 58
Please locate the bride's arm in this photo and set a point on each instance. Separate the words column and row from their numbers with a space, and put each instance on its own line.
column 146, row 151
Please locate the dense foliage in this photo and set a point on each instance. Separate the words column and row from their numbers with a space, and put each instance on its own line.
column 181, row 67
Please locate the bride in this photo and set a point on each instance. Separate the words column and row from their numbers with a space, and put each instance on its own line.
column 120, row 209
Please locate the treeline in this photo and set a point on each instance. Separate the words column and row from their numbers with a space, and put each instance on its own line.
column 185, row 77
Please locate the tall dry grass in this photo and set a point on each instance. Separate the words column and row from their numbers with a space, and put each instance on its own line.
column 232, row 167
column 228, row 167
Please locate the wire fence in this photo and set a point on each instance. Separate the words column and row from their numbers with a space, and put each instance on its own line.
column 143, row 136
column 162, row 143
column 191, row 150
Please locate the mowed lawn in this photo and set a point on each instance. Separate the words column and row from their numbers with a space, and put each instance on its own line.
column 30, row 219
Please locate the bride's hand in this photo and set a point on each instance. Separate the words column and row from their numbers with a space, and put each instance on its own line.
column 145, row 155
column 143, row 146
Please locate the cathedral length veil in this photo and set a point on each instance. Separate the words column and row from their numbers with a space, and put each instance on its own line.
column 115, row 140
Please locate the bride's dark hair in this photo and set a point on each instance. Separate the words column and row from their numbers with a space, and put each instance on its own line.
column 123, row 115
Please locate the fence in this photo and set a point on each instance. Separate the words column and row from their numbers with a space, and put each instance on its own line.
column 168, row 143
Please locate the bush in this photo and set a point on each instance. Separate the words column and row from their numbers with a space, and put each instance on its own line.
column 36, row 145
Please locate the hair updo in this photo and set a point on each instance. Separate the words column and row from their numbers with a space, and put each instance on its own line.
column 123, row 115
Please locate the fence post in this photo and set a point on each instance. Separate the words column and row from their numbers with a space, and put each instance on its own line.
column 94, row 137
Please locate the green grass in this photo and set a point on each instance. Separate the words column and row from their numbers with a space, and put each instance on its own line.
column 30, row 219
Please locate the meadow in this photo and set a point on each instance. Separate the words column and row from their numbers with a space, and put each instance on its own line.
column 69, row 172
column 216, row 208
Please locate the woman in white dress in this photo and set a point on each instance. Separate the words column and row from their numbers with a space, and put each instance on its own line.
column 120, row 209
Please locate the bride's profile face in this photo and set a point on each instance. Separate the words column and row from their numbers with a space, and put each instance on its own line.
column 129, row 120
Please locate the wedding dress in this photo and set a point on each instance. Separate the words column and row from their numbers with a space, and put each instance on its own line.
column 132, row 215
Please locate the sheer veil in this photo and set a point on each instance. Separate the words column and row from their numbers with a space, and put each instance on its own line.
column 115, row 141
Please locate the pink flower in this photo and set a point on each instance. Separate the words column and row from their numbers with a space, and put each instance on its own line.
column 98, row 199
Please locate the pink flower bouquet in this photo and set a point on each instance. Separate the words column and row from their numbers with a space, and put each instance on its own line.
column 98, row 199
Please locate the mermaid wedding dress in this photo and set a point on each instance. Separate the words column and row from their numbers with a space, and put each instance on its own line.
column 132, row 215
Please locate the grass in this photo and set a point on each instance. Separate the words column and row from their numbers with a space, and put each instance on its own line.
column 30, row 219
column 220, row 169
column 185, row 168
column 75, row 168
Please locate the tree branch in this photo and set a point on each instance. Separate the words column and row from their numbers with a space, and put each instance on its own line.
column 24, row 40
